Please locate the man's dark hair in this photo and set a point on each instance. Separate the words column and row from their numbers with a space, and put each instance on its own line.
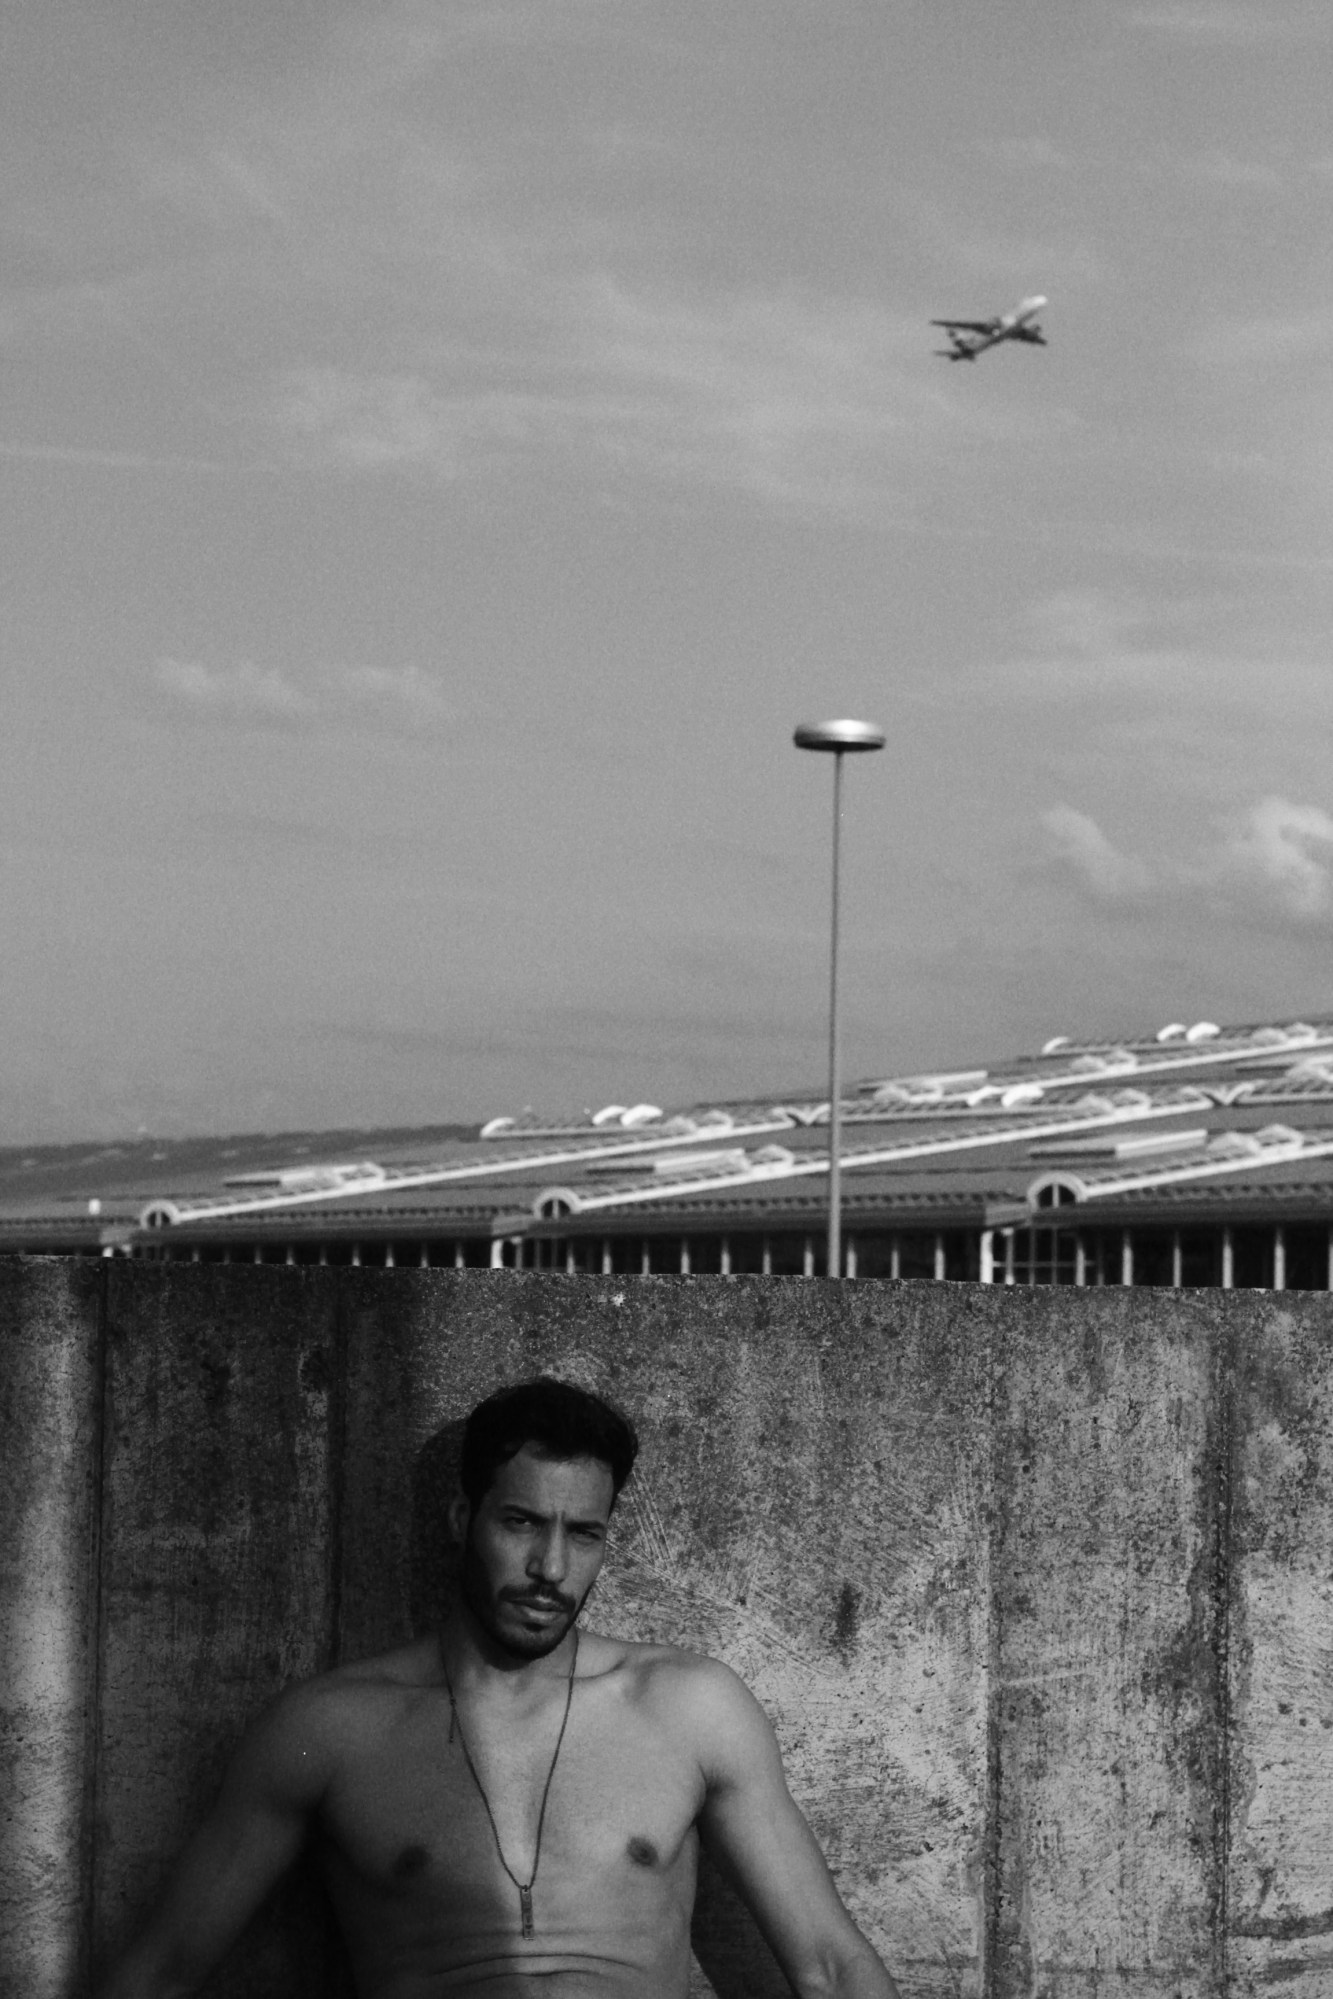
column 560, row 1420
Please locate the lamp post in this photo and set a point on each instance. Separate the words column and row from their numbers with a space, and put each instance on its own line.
column 839, row 739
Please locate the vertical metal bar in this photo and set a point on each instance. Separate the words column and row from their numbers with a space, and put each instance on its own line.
column 1228, row 1260
column 834, row 1051
column 987, row 1267
column 1177, row 1261
column 1279, row 1258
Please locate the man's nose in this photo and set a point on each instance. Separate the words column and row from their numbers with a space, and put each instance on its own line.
column 550, row 1557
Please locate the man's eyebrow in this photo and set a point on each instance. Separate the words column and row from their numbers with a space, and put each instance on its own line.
column 527, row 1513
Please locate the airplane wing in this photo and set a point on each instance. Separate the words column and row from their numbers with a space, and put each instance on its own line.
column 967, row 325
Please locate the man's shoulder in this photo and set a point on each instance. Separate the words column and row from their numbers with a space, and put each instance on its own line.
column 327, row 1707
column 671, row 1675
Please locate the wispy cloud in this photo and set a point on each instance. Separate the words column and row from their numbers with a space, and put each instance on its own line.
column 1225, row 170
column 1080, row 842
column 88, row 457
column 1233, row 23
column 1269, row 340
column 265, row 695
column 1276, row 858
column 786, row 399
column 247, row 690
column 1165, row 657
column 405, row 690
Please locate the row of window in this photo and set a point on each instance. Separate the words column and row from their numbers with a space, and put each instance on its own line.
column 1292, row 1257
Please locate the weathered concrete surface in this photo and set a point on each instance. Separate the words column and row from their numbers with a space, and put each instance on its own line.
column 49, row 1424
column 810, row 1506
column 1107, row 1701
column 1036, row 1585
column 217, row 1572
column 1280, row 1647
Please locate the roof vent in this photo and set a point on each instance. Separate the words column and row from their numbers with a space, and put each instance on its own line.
column 1310, row 1069
column 611, row 1114
column 638, row 1114
column 684, row 1165
column 1056, row 1190
column 1175, row 1030
column 1019, row 1094
column 554, row 1202
column 1203, row 1030
column 495, row 1126
column 1055, row 1044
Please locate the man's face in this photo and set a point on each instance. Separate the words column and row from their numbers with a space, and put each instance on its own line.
column 533, row 1548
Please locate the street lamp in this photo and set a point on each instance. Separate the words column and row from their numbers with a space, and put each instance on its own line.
column 840, row 739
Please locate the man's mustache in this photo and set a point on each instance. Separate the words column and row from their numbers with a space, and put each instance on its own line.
column 542, row 1599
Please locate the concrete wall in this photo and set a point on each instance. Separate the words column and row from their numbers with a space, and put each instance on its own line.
column 1036, row 1586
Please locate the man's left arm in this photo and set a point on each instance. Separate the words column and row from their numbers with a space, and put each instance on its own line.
column 751, row 1826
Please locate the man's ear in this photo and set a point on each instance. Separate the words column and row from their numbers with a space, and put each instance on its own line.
column 459, row 1516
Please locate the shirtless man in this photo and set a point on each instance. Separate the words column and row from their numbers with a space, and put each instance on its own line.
column 513, row 1805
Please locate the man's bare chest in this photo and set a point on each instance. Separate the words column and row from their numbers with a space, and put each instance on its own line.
column 409, row 1809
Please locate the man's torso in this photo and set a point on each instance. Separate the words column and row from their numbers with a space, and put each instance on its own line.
column 411, row 1857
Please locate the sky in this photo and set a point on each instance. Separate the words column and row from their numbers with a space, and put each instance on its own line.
column 446, row 449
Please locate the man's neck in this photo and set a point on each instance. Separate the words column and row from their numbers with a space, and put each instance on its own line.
column 471, row 1656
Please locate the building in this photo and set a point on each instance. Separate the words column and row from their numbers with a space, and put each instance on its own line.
column 1191, row 1155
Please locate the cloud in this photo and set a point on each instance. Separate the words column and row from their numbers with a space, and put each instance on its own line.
column 1276, row 858
column 788, row 399
column 1230, row 22
column 261, row 694
column 245, row 690
column 1081, row 843
column 1268, row 340
column 1288, row 850
column 1219, row 169
column 124, row 461
column 388, row 688
column 1086, row 642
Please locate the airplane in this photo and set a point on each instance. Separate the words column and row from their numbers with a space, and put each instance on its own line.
column 1020, row 324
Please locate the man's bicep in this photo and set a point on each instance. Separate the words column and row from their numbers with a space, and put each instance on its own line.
column 759, row 1838
column 248, row 1840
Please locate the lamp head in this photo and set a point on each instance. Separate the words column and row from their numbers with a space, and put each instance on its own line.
column 839, row 736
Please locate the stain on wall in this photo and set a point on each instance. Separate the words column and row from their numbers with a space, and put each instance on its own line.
column 1037, row 1587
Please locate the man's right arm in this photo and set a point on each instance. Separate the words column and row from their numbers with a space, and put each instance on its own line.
column 249, row 1839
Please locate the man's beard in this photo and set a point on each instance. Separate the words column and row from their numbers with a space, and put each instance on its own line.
column 518, row 1644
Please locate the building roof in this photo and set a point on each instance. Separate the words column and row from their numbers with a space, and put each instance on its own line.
column 1199, row 1120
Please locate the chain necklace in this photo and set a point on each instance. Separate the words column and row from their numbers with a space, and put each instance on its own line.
column 524, row 1887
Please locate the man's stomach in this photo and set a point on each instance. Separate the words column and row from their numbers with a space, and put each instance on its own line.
column 557, row 1974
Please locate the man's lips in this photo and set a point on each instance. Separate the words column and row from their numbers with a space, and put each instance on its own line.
column 541, row 1606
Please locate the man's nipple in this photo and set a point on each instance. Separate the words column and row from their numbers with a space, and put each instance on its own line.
column 413, row 1860
column 642, row 1851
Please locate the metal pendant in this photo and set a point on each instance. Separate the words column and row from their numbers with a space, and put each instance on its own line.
column 525, row 1906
